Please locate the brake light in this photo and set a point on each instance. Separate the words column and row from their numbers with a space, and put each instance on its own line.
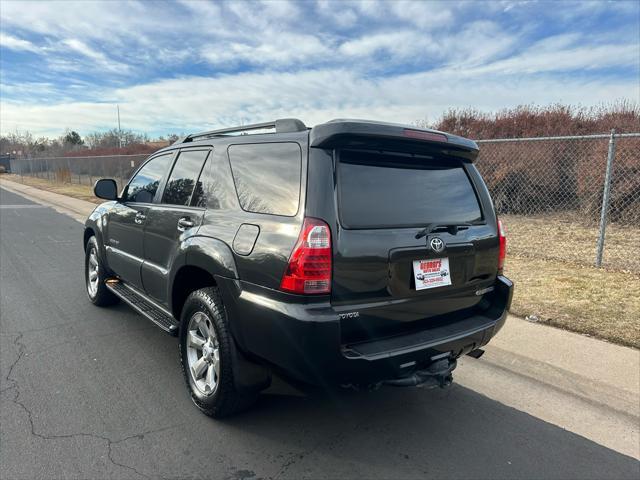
column 503, row 247
column 430, row 136
column 309, row 268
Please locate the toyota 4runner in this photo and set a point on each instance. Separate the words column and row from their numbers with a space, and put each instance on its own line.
column 351, row 253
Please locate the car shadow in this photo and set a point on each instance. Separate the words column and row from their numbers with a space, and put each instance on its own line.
column 417, row 433
column 388, row 433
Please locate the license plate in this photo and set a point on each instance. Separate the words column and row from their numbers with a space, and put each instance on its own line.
column 431, row 273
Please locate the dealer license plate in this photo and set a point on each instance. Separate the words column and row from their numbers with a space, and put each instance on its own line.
column 431, row 273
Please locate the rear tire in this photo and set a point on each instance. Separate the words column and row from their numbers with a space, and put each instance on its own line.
column 206, row 355
column 95, row 276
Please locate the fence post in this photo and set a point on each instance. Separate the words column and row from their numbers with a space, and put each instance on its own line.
column 605, row 197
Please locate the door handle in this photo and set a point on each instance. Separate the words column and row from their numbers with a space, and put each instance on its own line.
column 185, row 223
column 140, row 217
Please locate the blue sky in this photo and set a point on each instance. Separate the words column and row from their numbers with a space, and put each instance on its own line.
column 187, row 66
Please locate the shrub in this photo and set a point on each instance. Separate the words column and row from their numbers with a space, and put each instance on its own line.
column 556, row 175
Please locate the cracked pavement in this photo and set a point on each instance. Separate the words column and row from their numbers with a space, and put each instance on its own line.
column 96, row 393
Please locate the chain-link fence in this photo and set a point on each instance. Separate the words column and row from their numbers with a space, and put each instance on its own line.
column 80, row 170
column 551, row 194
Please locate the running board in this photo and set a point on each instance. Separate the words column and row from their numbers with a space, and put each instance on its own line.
column 143, row 306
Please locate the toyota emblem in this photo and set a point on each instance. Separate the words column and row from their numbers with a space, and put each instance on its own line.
column 437, row 245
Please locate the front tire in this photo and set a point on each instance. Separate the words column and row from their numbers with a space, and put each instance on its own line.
column 206, row 354
column 95, row 276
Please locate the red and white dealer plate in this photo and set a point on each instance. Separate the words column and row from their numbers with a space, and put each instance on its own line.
column 431, row 273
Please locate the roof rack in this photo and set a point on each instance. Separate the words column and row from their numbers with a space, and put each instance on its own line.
column 282, row 125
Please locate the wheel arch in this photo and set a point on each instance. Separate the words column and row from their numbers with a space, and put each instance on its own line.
column 88, row 233
column 206, row 262
column 200, row 261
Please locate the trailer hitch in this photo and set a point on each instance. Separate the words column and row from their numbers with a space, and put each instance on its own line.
column 437, row 374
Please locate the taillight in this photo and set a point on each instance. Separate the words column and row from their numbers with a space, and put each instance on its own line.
column 309, row 269
column 503, row 247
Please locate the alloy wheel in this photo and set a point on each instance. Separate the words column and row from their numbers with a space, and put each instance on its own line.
column 93, row 270
column 203, row 353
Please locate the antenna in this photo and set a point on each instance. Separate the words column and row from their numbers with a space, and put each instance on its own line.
column 119, row 130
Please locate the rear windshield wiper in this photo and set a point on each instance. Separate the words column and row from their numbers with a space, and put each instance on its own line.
column 452, row 228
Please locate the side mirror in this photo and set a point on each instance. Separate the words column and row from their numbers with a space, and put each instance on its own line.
column 106, row 188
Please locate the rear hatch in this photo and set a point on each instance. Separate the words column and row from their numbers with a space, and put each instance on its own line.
column 416, row 244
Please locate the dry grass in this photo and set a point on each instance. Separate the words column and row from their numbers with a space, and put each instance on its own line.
column 550, row 259
column 601, row 303
column 82, row 192
column 564, row 237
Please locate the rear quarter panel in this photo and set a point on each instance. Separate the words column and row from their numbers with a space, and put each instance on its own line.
column 267, row 261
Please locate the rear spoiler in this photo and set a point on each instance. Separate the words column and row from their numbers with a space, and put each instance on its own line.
column 344, row 133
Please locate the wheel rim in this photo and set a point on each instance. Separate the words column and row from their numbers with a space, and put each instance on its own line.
column 203, row 353
column 93, row 270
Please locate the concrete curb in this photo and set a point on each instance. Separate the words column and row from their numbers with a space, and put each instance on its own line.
column 75, row 208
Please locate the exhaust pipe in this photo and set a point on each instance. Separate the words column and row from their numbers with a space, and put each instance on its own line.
column 477, row 353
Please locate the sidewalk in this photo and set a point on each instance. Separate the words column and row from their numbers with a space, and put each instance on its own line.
column 585, row 385
column 582, row 384
column 78, row 209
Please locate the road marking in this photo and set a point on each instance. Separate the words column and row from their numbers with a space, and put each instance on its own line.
column 22, row 206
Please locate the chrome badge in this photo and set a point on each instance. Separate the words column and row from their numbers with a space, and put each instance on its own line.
column 437, row 245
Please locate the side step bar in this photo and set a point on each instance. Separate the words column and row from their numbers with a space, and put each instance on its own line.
column 144, row 306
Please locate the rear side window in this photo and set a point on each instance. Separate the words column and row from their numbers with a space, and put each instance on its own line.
column 378, row 190
column 205, row 195
column 267, row 177
column 183, row 178
column 144, row 185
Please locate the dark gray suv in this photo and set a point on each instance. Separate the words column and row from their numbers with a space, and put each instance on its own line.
column 351, row 253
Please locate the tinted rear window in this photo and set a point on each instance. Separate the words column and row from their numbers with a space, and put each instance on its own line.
column 395, row 191
column 183, row 177
column 267, row 177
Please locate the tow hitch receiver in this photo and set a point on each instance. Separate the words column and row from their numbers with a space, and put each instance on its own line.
column 437, row 374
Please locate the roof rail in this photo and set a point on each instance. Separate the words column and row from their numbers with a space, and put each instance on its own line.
column 282, row 125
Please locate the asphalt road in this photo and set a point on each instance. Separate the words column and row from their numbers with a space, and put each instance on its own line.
column 97, row 393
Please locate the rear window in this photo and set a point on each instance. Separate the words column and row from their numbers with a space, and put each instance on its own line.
column 267, row 177
column 183, row 178
column 380, row 190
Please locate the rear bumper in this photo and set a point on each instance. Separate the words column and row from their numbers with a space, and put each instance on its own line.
column 302, row 338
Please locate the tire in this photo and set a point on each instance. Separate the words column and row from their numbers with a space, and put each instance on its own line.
column 208, row 367
column 94, row 285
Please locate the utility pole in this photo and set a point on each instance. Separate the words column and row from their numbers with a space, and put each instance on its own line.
column 119, row 130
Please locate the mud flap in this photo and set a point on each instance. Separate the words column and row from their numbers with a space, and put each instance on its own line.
column 249, row 376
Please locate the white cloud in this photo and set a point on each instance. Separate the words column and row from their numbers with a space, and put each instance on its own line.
column 274, row 49
column 342, row 15
column 316, row 61
column 476, row 43
column 198, row 103
column 15, row 43
column 426, row 15
column 280, row 9
column 84, row 49
column 96, row 56
column 400, row 44
column 538, row 59
column 31, row 89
